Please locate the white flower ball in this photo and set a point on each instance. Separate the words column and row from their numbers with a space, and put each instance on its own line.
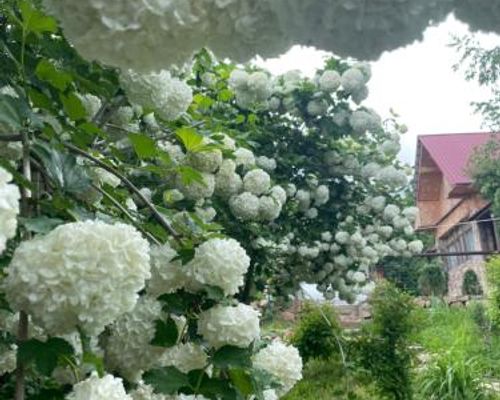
column 282, row 362
column 370, row 170
column 185, row 357
column 377, row 203
column 197, row 190
column 245, row 206
column 8, row 359
column 238, row 79
column 227, row 183
column 416, row 246
column 321, row 195
column 392, row 177
column 128, row 350
column 123, row 116
column 391, row 211
column 358, row 277
column 365, row 120
column 317, row 107
column 327, row 236
column 278, row 194
column 206, row 161
column 244, row 157
column 229, row 326
column 9, row 208
column 206, row 214
column 329, row 81
column 353, row 80
column 360, row 95
column 270, row 394
column 167, row 274
column 91, row 103
column 386, row 231
column 146, row 392
column 168, row 97
column 400, row 222
column 269, row 208
column 267, row 164
column 257, row 181
column 304, row 199
column 81, row 274
column 274, row 103
column 219, row 262
column 311, row 213
column 95, row 388
column 342, row 237
column 411, row 213
column 291, row 190
column 390, row 147
column 175, row 151
column 105, row 177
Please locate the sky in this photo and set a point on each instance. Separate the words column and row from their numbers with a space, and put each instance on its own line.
column 416, row 81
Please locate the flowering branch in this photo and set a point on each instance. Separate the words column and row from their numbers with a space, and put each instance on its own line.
column 156, row 214
column 126, row 213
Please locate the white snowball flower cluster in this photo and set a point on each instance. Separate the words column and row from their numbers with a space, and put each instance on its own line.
column 329, row 81
column 185, row 357
column 206, row 161
column 250, row 88
column 219, row 262
column 227, row 181
column 232, row 325
column 104, row 177
column 266, row 163
column 416, row 246
column 9, row 208
column 91, row 103
column 245, row 206
column 317, row 107
column 169, row 97
column 281, row 361
column 256, row 181
column 128, row 349
column 95, row 388
column 391, row 176
column 196, row 190
column 411, row 213
column 146, row 392
column 363, row 121
column 370, row 170
column 353, row 80
column 390, row 147
column 8, row 358
column 80, row 274
column 321, row 195
column 244, row 157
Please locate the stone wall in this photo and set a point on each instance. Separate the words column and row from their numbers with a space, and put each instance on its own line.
column 456, row 277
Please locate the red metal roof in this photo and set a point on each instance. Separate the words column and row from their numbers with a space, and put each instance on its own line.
column 451, row 152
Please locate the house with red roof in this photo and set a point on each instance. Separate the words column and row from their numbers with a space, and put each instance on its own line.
column 451, row 208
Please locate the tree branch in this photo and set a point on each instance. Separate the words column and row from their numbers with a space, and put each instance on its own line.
column 117, row 204
column 11, row 138
column 156, row 214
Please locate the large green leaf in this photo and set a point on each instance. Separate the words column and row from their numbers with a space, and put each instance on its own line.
column 62, row 169
column 166, row 380
column 42, row 224
column 73, row 107
column 48, row 72
column 34, row 20
column 166, row 333
column 242, row 380
column 189, row 138
column 46, row 355
column 230, row 356
column 144, row 146
column 13, row 111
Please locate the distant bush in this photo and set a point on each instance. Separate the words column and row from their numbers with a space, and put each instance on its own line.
column 471, row 285
column 383, row 347
column 318, row 332
column 432, row 280
column 493, row 277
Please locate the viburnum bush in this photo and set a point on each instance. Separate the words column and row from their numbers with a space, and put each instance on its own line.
column 141, row 212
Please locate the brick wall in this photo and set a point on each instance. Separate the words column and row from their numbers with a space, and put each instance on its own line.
column 456, row 277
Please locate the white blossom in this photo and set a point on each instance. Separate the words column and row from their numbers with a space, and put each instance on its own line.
column 269, row 208
column 80, row 274
column 256, row 181
column 327, row 236
column 105, row 177
column 206, row 161
column 95, row 388
column 317, row 107
column 365, row 120
column 245, row 206
column 390, row 147
column 370, row 170
column 416, row 246
column 91, row 103
column 321, row 195
column 9, row 208
column 146, row 392
column 329, row 81
column 8, row 358
column 352, row 80
column 185, row 357
column 219, row 262
column 291, row 190
column 195, row 190
column 342, row 237
column 167, row 96
column 391, row 211
column 267, row 164
column 278, row 194
column 167, row 274
column 392, row 177
column 282, row 362
column 128, row 349
column 244, row 157
column 311, row 213
column 304, row 199
column 411, row 213
column 229, row 325
column 206, row 214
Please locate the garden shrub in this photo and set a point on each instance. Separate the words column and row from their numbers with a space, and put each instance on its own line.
column 318, row 332
column 383, row 347
column 471, row 285
column 432, row 280
column 493, row 277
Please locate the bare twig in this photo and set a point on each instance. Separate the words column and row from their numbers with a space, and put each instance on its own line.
column 156, row 214
column 117, row 204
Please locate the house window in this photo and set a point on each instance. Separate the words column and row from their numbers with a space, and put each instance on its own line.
column 487, row 232
column 460, row 240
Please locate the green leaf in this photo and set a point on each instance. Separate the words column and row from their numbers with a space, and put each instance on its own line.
column 190, row 175
column 46, row 355
column 62, row 169
column 42, row 224
column 48, row 72
column 176, row 303
column 144, row 146
column 242, row 381
column 230, row 356
column 189, row 138
column 34, row 20
column 225, row 95
column 166, row 380
column 73, row 107
column 12, row 113
column 95, row 361
column 214, row 293
column 166, row 333
column 218, row 389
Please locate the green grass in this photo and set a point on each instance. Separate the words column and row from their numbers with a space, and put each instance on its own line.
column 328, row 380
